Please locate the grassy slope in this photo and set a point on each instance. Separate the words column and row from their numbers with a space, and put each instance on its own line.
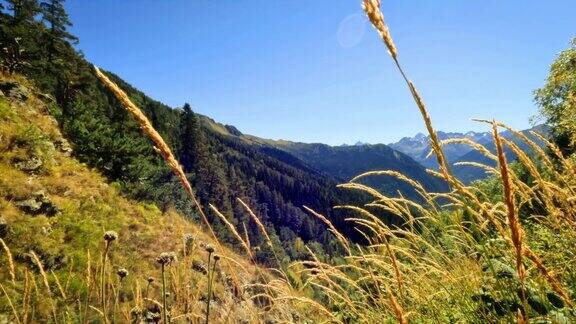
column 88, row 207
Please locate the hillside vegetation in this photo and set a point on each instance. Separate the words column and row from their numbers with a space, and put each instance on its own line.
column 54, row 212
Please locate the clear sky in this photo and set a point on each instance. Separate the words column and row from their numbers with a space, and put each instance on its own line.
column 315, row 71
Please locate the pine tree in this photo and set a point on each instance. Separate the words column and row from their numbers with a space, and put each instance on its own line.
column 55, row 16
column 19, row 37
column 190, row 138
column 23, row 10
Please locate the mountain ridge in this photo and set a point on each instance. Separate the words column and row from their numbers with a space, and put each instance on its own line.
column 418, row 148
column 343, row 162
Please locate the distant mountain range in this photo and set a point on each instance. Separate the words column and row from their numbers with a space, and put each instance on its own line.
column 341, row 163
column 408, row 156
column 418, row 147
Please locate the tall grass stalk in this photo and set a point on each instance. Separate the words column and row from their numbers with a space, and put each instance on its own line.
column 164, row 303
column 11, row 267
column 211, row 274
column 14, row 312
column 109, row 237
column 46, row 283
column 513, row 221
column 88, row 283
column 161, row 145
column 165, row 259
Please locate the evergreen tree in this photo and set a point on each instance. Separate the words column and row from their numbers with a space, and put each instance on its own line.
column 23, row 10
column 20, row 36
column 190, row 138
column 55, row 16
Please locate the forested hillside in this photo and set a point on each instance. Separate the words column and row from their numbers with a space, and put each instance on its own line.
column 347, row 161
column 339, row 163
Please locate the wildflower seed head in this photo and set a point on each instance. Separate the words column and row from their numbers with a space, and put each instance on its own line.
column 209, row 248
column 122, row 273
column 150, row 279
column 110, row 236
column 166, row 258
column 216, row 257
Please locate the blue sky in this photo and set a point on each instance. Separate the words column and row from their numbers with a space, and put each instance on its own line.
column 315, row 71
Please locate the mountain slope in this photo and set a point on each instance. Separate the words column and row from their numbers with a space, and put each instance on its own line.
column 418, row 147
column 467, row 174
column 58, row 208
column 341, row 163
column 346, row 162
column 106, row 138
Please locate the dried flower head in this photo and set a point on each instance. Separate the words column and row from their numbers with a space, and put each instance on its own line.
column 110, row 236
column 216, row 257
column 150, row 279
column 166, row 258
column 209, row 248
column 122, row 273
